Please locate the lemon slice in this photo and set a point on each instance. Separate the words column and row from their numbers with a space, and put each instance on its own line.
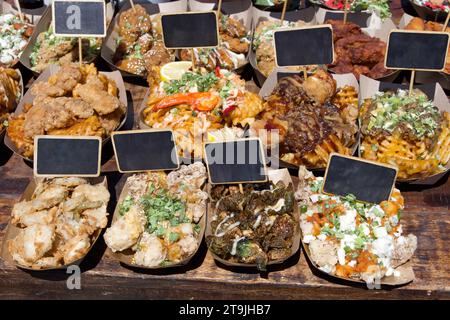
column 174, row 70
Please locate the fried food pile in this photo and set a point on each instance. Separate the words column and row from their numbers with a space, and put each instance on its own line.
column 59, row 224
column 313, row 119
column 351, row 239
column 74, row 101
column 263, row 43
column 356, row 52
column 159, row 217
column 10, row 92
column 418, row 24
column 50, row 49
column 200, row 102
column 14, row 36
column 140, row 45
column 232, row 51
column 253, row 227
column 408, row 132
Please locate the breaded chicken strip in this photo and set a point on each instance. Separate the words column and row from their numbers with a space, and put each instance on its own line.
column 100, row 100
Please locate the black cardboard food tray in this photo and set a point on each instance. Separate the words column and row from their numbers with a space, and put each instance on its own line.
column 125, row 257
column 11, row 230
column 341, row 81
column 52, row 69
column 428, row 13
column 368, row 87
column 42, row 26
column 109, row 44
column 274, row 176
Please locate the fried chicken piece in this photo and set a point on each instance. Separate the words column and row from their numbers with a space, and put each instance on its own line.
column 132, row 65
column 79, row 108
column 76, row 248
column 158, row 55
column 343, row 30
column 96, row 218
column 32, row 243
column 102, row 102
column 133, row 23
column 362, row 49
column 33, row 123
column 125, row 232
column 111, row 121
column 416, row 23
column 377, row 71
column 86, row 127
column 320, row 86
column 67, row 77
column 16, row 133
column 235, row 44
column 96, row 192
column 43, row 89
column 58, row 114
column 38, row 217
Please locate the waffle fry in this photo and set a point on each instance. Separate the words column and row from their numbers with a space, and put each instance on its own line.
column 346, row 96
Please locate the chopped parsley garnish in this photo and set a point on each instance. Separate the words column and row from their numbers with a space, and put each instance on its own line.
column 203, row 82
column 125, row 206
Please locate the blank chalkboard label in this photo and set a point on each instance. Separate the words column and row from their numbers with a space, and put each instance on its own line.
column 190, row 30
column 368, row 181
column 304, row 46
column 67, row 156
column 145, row 150
column 79, row 18
column 418, row 50
column 237, row 161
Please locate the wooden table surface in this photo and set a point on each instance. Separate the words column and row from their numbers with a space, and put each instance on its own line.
column 426, row 215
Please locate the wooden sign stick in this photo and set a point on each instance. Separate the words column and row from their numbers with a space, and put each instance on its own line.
column 283, row 13
column 345, row 11
column 132, row 4
column 80, row 51
column 305, row 73
column 193, row 59
column 219, row 8
column 411, row 81
column 20, row 10
column 446, row 22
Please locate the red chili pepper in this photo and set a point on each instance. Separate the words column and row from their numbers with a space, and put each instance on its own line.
column 217, row 71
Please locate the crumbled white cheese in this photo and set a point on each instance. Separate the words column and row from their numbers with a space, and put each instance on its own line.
column 308, row 238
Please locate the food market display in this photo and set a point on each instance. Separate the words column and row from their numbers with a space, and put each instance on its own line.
column 351, row 239
column 14, row 36
column 406, row 131
column 313, row 118
column 232, row 51
column 256, row 225
column 422, row 25
column 182, row 230
column 139, row 43
column 199, row 102
column 59, row 223
column 160, row 217
column 357, row 52
column 263, row 43
column 75, row 100
column 10, row 93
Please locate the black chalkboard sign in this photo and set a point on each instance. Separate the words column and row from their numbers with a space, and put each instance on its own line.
column 417, row 50
column 145, row 150
column 79, row 18
column 359, row 18
column 236, row 161
column 304, row 46
column 190, row 30
column 368, row 181
column 56, row 156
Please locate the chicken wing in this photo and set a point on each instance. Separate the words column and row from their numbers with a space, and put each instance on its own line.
column 101, row 101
